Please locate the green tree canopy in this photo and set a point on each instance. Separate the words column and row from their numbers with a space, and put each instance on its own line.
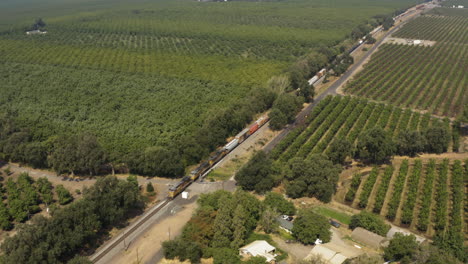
column 258, row 174
column 401, row 246
column 310, row 226
column 277, row 202
column 314, row 177
column 370, row 222
column 410, row 143
column 339, row 150
column 437, row 139
column 375, row 145
column 64, row 196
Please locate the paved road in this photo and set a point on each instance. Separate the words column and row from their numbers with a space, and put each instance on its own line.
column 332, row 90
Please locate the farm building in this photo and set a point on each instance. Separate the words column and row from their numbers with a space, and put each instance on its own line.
column 285, row 224
column 259, row 248
column 330, row 255
column 366, row 237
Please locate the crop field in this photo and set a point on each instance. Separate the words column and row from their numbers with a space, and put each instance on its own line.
column 347, row 117
column 143, row 73
column 426, row 196
column 451, row 3
column 433, row 78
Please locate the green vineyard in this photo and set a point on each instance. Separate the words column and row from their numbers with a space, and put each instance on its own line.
column 424, row 195
column 346, row 118
column 430, row 78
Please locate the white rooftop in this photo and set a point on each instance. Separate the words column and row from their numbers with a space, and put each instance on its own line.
column 259, row 248
column 327, row 254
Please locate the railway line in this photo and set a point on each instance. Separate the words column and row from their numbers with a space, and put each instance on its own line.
column 202, row 170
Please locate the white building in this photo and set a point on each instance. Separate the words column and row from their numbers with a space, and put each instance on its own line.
column 259, row 248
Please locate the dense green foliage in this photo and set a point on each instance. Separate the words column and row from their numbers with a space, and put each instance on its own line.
column 429, row 78
column 375, row 146
column 222, row 224
column 370, row 222
column 25, row 195
column 316, row 177
column 75, row 227
column 310, row 226
column 401, row 247
column 257, row 174
column 143, row 74
column 284, row 110
column 277, row 202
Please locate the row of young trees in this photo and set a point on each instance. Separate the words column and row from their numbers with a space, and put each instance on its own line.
column 346, row 122
column 24, row 196
column 74, row 228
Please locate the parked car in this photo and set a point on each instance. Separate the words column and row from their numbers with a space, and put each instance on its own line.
column 287, row 217
column 335, row 223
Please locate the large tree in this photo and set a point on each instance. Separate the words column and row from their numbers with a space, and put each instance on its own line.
column 310, row 226
column 401, row 246
column 339, row 150
column 314, row 177
column 437, row 139
column 410, row 143
column 257, row 174
column 287, row 105
column 375, row 145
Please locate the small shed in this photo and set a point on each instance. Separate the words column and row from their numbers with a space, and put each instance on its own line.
column 259, row 248
column 285, row 224
column 366, row 237
column 327, row 254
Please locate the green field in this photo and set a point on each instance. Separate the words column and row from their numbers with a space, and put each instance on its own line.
column 144, row 73
column 430, row 78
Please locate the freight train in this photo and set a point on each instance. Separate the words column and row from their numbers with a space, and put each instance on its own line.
column 215, row 157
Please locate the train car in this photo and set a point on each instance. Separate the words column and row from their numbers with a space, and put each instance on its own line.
column 262, row 120
column 198, row 171
column 218, row 155
column 253, row 128
column 242, row 135
column 321, row 73
column 231, row 145
column 179, row 187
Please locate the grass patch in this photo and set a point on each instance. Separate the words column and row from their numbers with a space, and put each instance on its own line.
column 330, row 213
column 224, row 173
column 285, row 235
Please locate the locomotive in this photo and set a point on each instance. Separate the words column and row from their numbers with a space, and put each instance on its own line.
column 215, row 157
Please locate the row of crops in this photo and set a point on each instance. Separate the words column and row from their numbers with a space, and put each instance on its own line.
column 424, row 195
column 445, row 29
column 346, row 118
column 431, row 78
column 426, row 78
column 199, row 67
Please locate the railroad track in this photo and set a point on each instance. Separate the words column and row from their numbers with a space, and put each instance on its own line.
column 113, row 243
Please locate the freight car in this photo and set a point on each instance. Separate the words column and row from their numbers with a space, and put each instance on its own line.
column 215, row 157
